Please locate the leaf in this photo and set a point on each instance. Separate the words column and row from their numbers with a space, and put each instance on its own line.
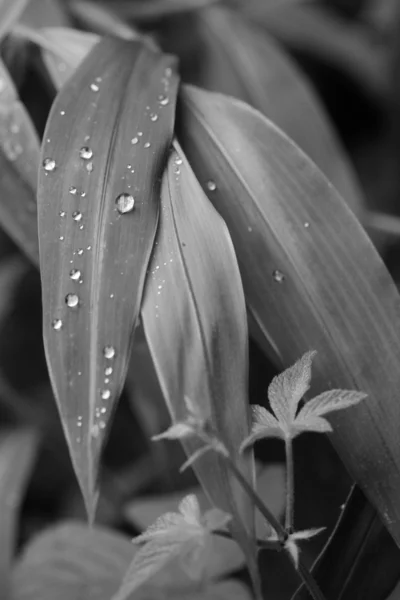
column 185, row 535
column 63, row 49
column 100, row 19
column 288, row 388
column 195, row 323
column 10, row 11
column 149, row 10
column 97, row 221
column 70, row 562
column 19, row 161
column 360, row 560
column 320, row 283
column 241, row 60
column 330, row 401
column 17, row 454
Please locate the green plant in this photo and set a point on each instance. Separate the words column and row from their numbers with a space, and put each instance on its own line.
column 170, row 218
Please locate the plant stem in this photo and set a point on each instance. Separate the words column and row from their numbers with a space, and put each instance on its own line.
column 282, row 534
column 264, row 510
column 289, row 485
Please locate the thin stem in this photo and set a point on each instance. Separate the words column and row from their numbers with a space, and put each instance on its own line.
column 261, row 544
column 264, row 510
column 289, row 485
column 282, row 534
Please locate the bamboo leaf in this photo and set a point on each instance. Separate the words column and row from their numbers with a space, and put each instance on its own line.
column 17, row 453
column 195, row 324
column 243, row 61
column 19, row 162
column 311, row 276
column 98, row 211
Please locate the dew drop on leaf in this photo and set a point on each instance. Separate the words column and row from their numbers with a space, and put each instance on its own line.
column 278, row 276
column 72, row 190
column 211, row 185
column 75, row 274
column 306, row 224
column 62, row 213
column 56, row 324
column 94, row 87
column 49, row 165
column 108, row 371
column 163, row 100
column 80, row 251
column 86, row 153
column 89, row 167
column 125, row 203
column 77, row 216
column 109, row 352
column 134, row 141
column 147, row 145
column 72, row 300
column 105, row 395
column 153, row 117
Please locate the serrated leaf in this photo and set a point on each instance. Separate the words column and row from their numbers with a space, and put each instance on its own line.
column 19, row 162
column 17, row 453
column 10, row 11
column 316, row 424
column 320, row 284
column 264, row 425
column 288, row 388
column 330, row 401
column 195, row 324
column 241, row 60
column 97, row 221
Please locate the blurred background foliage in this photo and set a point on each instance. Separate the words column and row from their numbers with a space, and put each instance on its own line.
column 348, row 53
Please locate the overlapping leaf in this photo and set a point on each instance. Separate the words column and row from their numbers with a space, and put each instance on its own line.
column 17, row 453
column 312, row 278
column 71, row 562
column 10, row 10
column 195, row 324
column 240, row 60
column 19, row 162
column 104, row 149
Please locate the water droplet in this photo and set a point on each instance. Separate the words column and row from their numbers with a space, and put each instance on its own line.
column 62, row 213
column 62, row 112
column 95, row 431
column 79, row 421
column 178, row 160
column 57, row 324
column 80, row 251
column 105, row 394
column 129, row 166
column 94, row 87
column 249, row 229
column 140, row 133
column 72, row 190
column 89, row 167
column 14, row 128
column 77, row 216
column 86, row 153
column 49, row 165
column 106, row 380
column 89, row 248
column 153, row 117
column 102, row 425
column 109, row 352
column 103, row 410
column 72, row 300
column 163, row 100
column 211, row 185
column 111, row 295
column 278, row 276
column 306, row 224
column 83, row 194
column 168, row 72
column 75, row 274
column 99, row 79
column 147, row 145
column 125, row 203
column 134, row 140
column 61, row 238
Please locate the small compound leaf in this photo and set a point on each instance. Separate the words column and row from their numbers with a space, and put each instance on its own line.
column 97, row 222
column 19, row 163
column 330, row 401
column 288, row 388
column 264, row 425
column 17, row 454
column 195, row 324
column 71, row 562
column 321, row 283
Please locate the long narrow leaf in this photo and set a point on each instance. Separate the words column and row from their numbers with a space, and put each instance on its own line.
column 241, row 61
column 19, row 163
column 311, row 276
column 10, row 11
column 195, row 324
column 17, row 453
column 104, row 149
